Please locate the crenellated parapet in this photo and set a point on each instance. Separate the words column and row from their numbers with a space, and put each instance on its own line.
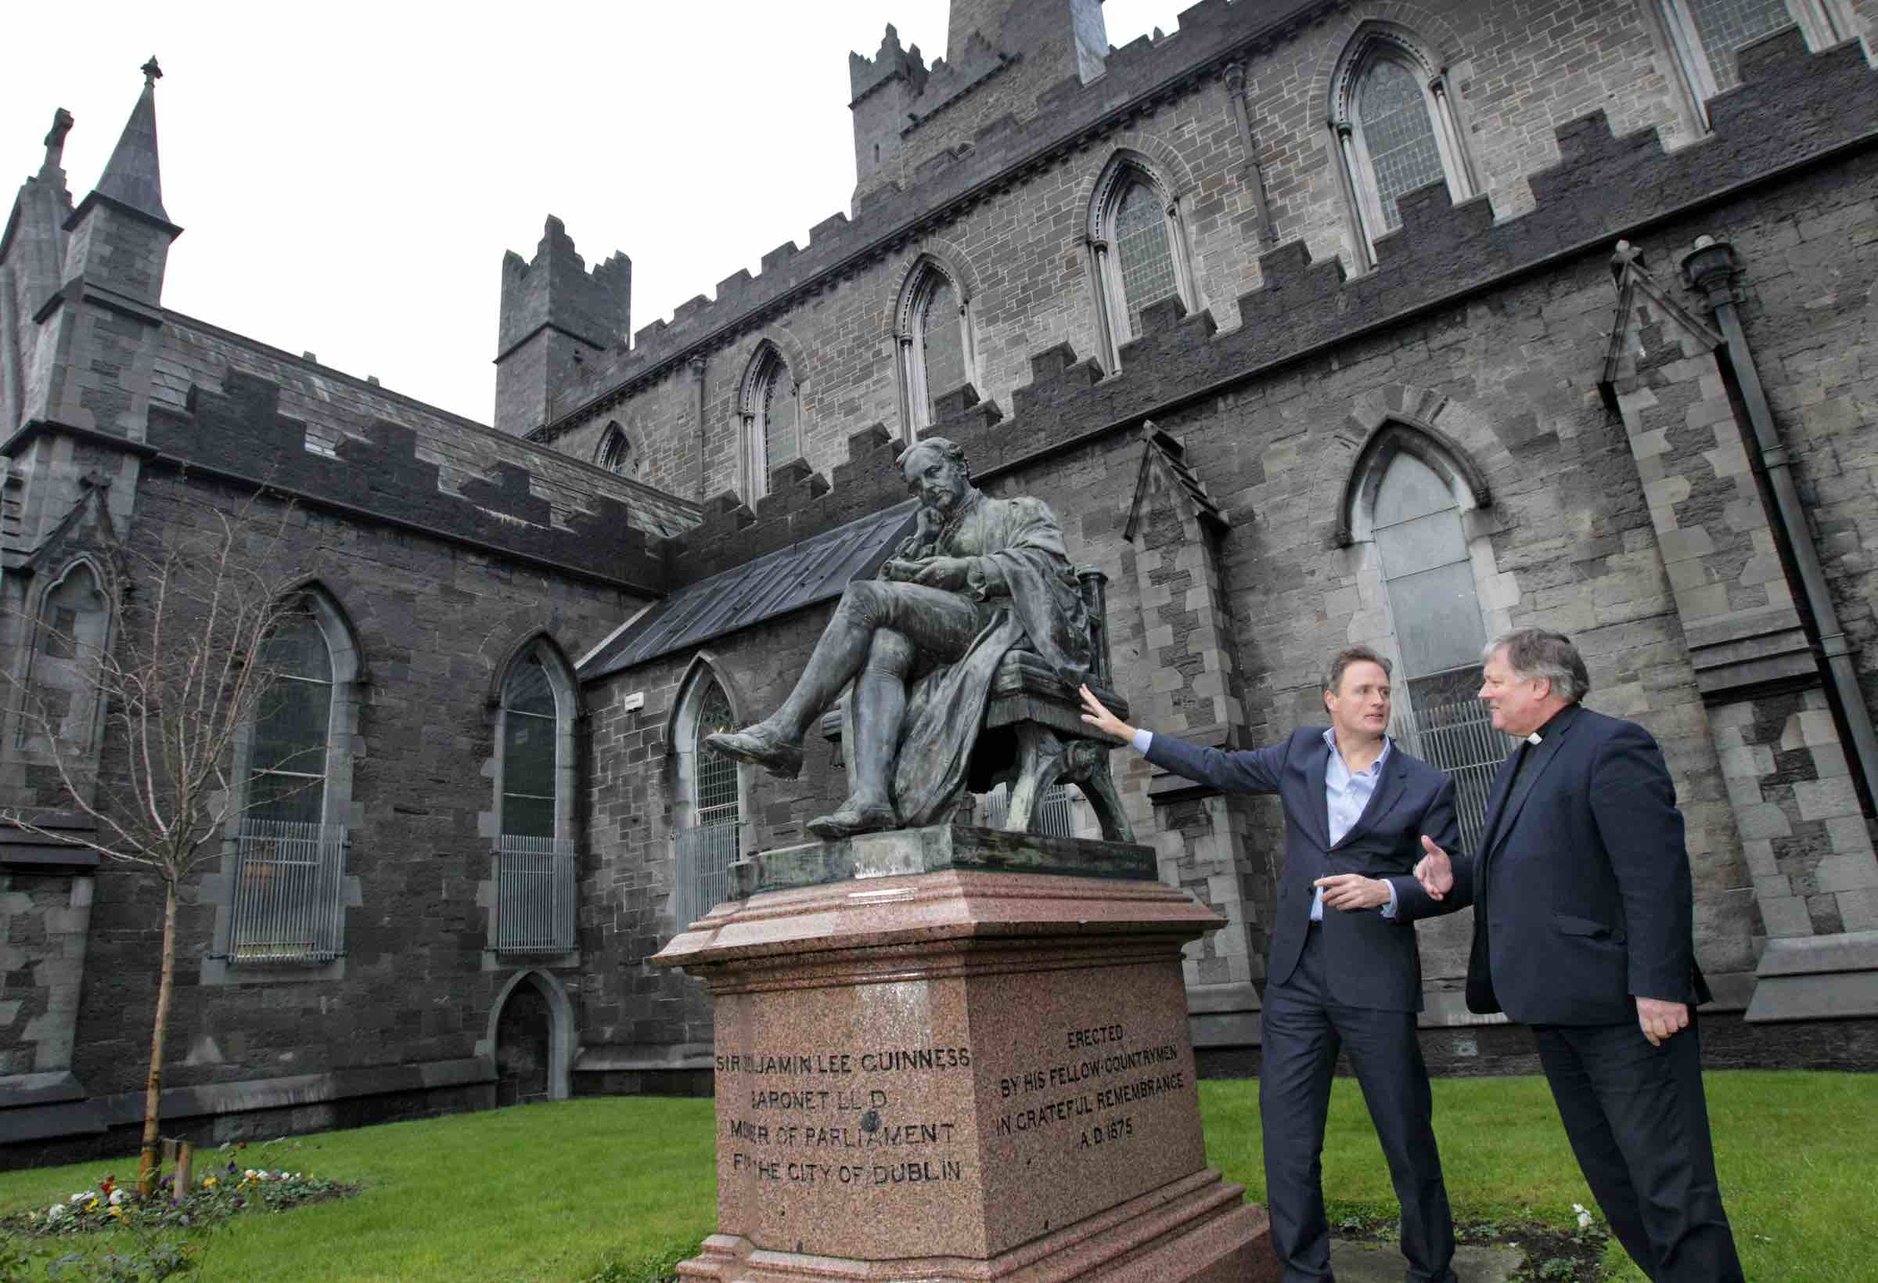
column 885, row 219
column 238, row 433
column 1791, row 109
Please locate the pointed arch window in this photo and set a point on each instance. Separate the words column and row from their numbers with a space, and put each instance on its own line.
column 62, row 705
column 1411, row 509
column 289, row 869
column 535, row 852
column 292, row 726
column 1393, row 114
column 1706, row 35
column 936, row 355
column 771, row 413
column 710, row 819
column 616, row 451
column 1136, row 239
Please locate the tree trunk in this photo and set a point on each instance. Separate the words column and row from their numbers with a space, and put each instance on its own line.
column 153, row 1088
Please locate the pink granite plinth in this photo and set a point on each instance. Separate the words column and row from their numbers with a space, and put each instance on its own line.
column 961, row 1075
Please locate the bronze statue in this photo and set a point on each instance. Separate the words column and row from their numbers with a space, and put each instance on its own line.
column 977, row 578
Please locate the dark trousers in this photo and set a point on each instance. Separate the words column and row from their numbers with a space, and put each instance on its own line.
column 1303, row 1030
column 1638, row 1123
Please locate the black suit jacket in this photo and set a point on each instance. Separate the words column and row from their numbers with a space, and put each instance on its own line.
column 1369, row 960
column 1581, row 888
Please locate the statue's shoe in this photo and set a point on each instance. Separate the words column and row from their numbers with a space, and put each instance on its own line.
column 760, row 745
column 851, row 819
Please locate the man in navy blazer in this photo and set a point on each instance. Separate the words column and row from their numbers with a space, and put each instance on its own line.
column 1343, row 970
column 1582, row 929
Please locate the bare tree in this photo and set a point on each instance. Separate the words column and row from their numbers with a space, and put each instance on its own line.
column 179, row 666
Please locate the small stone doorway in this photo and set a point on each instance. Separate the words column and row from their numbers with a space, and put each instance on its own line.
column 524, row 1046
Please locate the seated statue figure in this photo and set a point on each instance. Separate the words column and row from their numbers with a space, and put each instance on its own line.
column 978, row 577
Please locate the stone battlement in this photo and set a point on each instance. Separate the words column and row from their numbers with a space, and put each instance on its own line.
column 1791, row 109
column 238, row 432
column 1209, row 34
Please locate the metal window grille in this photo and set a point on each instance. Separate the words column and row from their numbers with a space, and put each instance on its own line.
column 1398, row 135
column 705, row 854
column 706, row 850
column 1459, row 739
column 289, row 880
column 534, row 894
column 1054, row 818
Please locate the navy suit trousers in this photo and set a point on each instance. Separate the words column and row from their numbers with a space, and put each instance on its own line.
column 1638, row 1123
column 1303, row 1031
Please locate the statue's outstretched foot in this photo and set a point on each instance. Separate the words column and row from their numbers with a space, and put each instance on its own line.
column 762, row 745
column 854, row 817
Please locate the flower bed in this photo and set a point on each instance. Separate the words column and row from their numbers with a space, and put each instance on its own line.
column 152, row 1244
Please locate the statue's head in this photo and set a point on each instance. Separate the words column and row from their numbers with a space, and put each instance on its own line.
column 936, row 471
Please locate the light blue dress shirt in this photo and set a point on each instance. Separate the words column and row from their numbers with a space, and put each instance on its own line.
column 1346, row 793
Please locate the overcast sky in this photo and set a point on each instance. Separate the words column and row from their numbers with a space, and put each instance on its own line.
column 348, row 175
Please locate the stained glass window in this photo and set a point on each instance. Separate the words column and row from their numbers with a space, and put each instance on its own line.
column 1398, row 134
column 1723, row 26
column 942, row 339
column 1145, row 255
column 776, row 410
column 287, row 753
column 529, row 736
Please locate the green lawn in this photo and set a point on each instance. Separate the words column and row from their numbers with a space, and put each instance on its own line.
column 563, row 1192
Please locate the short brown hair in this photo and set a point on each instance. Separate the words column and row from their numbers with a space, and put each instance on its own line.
column 1352, row 655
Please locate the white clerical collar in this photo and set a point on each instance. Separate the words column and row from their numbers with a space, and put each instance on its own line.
column 1535, row 738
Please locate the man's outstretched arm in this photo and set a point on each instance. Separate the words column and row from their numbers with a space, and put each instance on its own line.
column 1241, row 771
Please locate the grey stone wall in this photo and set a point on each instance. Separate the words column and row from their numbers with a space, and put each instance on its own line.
column 1520, row 72
column 435, row 624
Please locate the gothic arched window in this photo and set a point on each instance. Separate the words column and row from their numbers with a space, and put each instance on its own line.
column 1393, row 114
column 1707, row 34
column 1410, row 507
column 935, row 342
column 709, row 817
column 292, row 725
column 772, row 435
column 1136, row 239
column 289, row 873
column 535, row 849
column 616, row 451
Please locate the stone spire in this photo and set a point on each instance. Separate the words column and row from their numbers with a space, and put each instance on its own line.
column 132, row 177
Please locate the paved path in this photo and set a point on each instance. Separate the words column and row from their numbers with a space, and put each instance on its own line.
column 1382, row 1262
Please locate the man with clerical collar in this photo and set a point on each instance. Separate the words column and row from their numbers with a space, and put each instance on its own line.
column 1583, row 930
column 1343, row 972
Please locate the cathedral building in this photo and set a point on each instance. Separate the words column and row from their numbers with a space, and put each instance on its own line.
column 1316, row 322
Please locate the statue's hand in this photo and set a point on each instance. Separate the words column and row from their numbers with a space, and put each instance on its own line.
column 898, row 570
column 951, row 573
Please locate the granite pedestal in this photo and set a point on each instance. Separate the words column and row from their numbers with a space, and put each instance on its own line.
column 952, row 1053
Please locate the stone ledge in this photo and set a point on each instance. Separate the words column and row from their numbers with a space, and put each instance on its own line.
column 937, row 848
column 1817, row 978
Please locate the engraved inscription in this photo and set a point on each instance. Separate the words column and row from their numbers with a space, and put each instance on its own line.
column 1089, row 1088
column 837, row 1118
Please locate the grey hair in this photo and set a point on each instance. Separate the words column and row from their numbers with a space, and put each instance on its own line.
column 1535, row 653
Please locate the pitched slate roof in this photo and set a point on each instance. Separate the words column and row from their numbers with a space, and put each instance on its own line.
column 802, row 574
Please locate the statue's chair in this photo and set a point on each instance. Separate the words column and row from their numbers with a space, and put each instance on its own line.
column 1033, row 735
